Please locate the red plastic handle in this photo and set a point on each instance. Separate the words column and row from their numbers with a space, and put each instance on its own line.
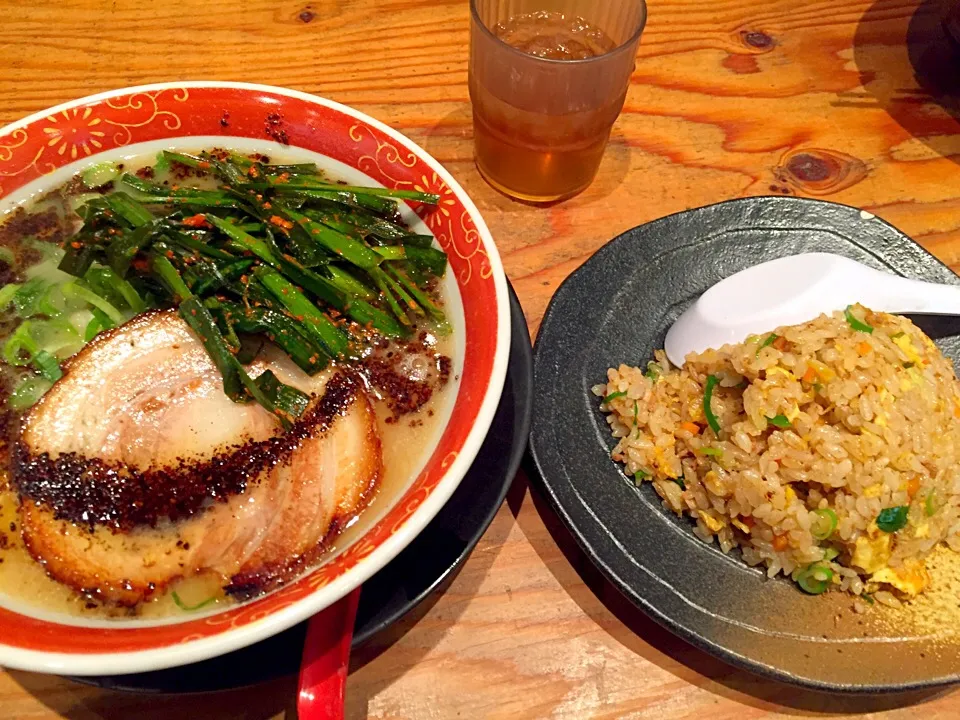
column 326, row 660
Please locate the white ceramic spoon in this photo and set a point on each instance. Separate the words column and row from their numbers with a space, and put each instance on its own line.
column 796, row 289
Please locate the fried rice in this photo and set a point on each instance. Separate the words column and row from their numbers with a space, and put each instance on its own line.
column 827, row 451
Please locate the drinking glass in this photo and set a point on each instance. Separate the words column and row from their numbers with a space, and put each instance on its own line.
column 541, row 124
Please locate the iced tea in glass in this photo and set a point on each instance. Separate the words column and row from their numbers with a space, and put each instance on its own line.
column 547, row 80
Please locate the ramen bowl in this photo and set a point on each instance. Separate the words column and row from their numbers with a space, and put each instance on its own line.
column 47, row 148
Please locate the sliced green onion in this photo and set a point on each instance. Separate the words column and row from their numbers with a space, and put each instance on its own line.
column 680, row 481
column 162, row 163
column 815, row 579
column 892, row 519
column 98, row 323
column 348, row 284
column 27, row 297
column 855, row 323
column 420, row 297
column 321, row 328
column 190, row 608
column 109, row 285
column 779, row 421
column 27, row 392
column 285, row 397
column 258, row 247
column 304, row 184
column 52, row 304
column 335, row 242
column 129, row 209
column 715, row 452
column 170, row 277
column 831, row 553
column 712, row 381
column 408, row 302
column 284, row 331
column 48, row 366
column 49, row 250
column 771, row 339
column 930, row 505
column 193, row 161
column 98, row 175
column 75, row 202
column 57, row 336
column 73, row 290
column 613, row 396
column 640, row 475
column 123, row 248
column 200, row 320
column 391, row 252
column 825, row 523
column 6, row 294
column 77, row 259
column 383, row 284
column 653, row 371
column 198, row 198
column 430, row 259
column 20, row 342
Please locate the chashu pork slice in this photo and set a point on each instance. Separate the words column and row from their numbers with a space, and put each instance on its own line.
column 147, row 403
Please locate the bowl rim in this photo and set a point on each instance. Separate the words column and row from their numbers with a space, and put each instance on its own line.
column 183, row 653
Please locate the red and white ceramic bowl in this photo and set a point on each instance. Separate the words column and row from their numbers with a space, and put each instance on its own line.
column 35, row 151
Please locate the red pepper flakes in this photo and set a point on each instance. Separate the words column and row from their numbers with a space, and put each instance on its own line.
column 197, row 221
column 253, row 172
column 280, row 222
column 283, row 177
column 76, row 245
column 203, row 165
column 170, row 254
column 267, row 206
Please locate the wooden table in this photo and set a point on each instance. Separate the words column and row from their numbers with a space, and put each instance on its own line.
column 733, row 98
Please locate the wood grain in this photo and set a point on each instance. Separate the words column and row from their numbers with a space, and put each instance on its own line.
column 854, row 101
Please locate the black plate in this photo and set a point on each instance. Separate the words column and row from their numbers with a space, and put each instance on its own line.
column 409, row 578
column 617, row 308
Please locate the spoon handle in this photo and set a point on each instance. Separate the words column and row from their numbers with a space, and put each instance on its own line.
column 326, row 657
column 915, row 296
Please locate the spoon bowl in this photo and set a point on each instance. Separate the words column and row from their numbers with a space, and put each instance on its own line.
column 795, row 289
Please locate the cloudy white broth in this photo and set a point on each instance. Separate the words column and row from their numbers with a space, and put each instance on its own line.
column 218, row 368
